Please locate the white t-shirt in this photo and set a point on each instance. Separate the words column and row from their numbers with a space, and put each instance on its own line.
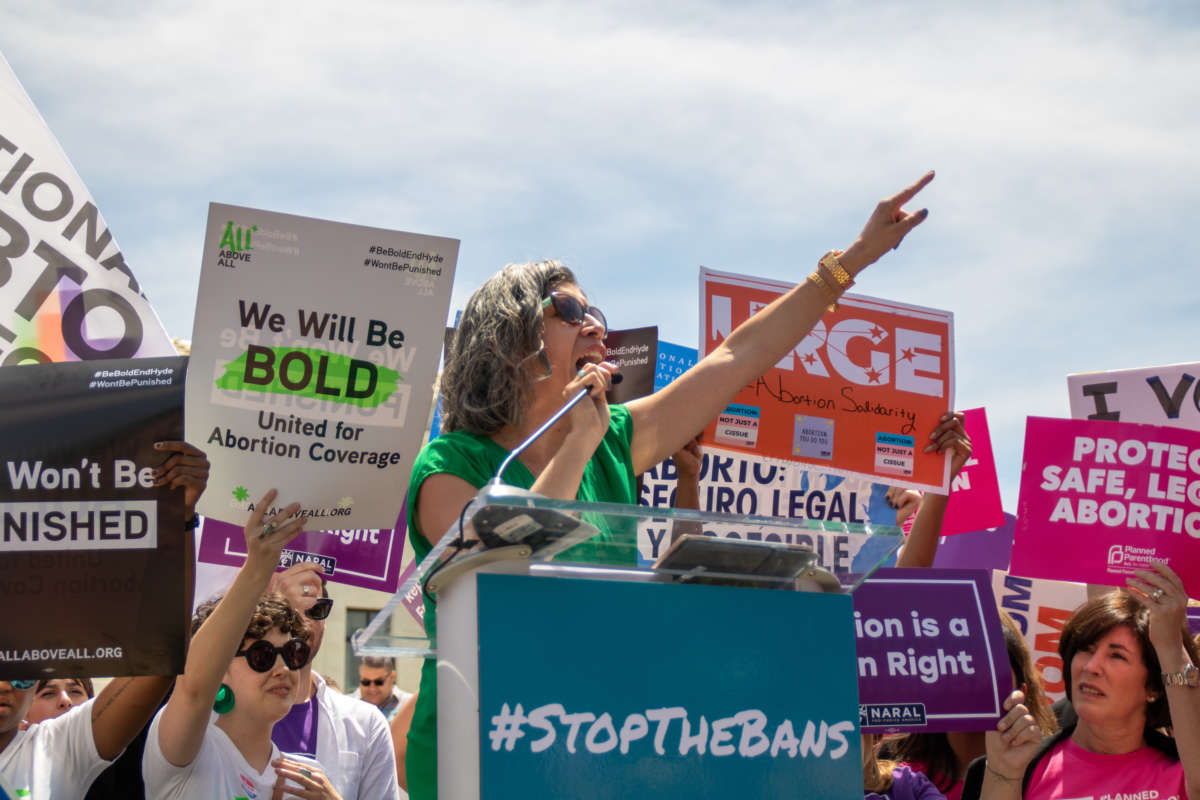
column 55, row 759
column 218, row 772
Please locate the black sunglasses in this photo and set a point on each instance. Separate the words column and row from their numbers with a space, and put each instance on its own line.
column 372, row 681
column 320, row 608
column 568, row 307
column 261, row 655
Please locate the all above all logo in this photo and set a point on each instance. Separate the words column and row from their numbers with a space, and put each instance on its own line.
column 236, row 238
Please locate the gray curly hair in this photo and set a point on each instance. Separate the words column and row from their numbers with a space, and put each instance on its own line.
column 486, row 383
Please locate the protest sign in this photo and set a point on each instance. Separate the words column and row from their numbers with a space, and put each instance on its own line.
column 1167, row 395
column 743, row 483
column 986, row 549
column 858, row 396
column 1040, row 608
column 1193, row 617
column 313, row 359
column 974, row 503
column 779, row 716
column 931, row 655
column 369, row 558
column 635, row 352
column 66, row 293
column 94, row 559
column 1099, row 500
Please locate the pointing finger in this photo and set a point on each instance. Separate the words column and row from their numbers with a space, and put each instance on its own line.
column 904, row 195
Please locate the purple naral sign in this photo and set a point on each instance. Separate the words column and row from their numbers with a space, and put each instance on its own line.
column 931, row 654
column 365, row 557
column 1193, row 618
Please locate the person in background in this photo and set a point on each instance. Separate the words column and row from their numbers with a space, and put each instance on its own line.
column 377, row 685
column 399, row 726
column 350, row 738
column 61, row 756
column 1131, row 672
column 242, row 663
column 55, row 697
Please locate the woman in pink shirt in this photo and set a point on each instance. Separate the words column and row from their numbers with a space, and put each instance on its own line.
column 1131, row 667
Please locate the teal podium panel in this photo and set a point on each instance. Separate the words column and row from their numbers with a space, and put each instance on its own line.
column 604, row 688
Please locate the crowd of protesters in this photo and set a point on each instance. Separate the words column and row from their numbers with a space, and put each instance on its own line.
column 249, row 717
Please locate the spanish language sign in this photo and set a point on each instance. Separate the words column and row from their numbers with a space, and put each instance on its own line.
column 858, row 396
column 570, row 719
column 66, row 293
column 1158, row 395
column 974, row 503
column 1041, row 609
column 313, row 359
column 366, row 557
column 93, row 556
column 1099, row 500
column 931, row 655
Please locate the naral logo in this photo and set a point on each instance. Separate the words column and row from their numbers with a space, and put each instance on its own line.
column 1116, row 555
column 874, row 714
column 232, row 238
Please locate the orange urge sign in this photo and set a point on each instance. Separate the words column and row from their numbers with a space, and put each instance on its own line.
column 858, row 396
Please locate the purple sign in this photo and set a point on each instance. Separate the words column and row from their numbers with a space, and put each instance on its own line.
column 1193, row 618
column 931, row 653
column 986, row 549
column 369, row 557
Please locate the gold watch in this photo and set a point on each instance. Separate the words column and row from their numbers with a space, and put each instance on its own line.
column 831, row 261
column 1189, row 677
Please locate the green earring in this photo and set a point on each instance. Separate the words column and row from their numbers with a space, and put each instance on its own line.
column 224, row 702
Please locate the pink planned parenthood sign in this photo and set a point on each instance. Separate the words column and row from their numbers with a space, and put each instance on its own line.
column 1101, row 499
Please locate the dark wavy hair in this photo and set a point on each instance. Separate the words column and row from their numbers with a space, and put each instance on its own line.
column 272, row 611
column 1095, row 618
column 486, row 382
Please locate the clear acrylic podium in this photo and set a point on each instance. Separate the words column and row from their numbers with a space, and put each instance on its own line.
column 512, row 531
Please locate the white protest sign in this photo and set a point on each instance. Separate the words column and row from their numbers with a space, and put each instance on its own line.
column 1167, row 395
column 66, row 293
column 313, row 359
column 1040, row 608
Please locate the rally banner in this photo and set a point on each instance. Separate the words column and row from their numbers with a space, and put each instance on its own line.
column 1041, row 609
column 313, row 359
column 858, row 396
column 729, row 708
column 986, row 549
column 635, row 352
column 66, row 293
column 369, row 558
column 94, row 559
column 1099, row 500
column 673, row 361
column 974, row 503
column 1167, row 395
column 931, row 655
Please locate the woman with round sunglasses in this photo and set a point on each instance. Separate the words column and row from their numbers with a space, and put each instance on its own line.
column 528, row 340
column 243, row 663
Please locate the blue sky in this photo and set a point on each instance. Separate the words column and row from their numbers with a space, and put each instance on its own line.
column 638, row 143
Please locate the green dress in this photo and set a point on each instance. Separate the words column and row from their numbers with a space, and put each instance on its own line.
column 608, row 478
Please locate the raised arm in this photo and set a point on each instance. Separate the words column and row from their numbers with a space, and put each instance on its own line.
column 665, row 420
column 126, row 704
column 921, row 546
column 185, row 719
column 1161, row 591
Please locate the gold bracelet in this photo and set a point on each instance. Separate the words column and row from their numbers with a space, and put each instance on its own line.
column 824, row 286
column 998, row 774
column 831, row 261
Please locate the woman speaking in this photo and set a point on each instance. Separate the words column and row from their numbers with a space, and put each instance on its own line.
column 528, row 341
